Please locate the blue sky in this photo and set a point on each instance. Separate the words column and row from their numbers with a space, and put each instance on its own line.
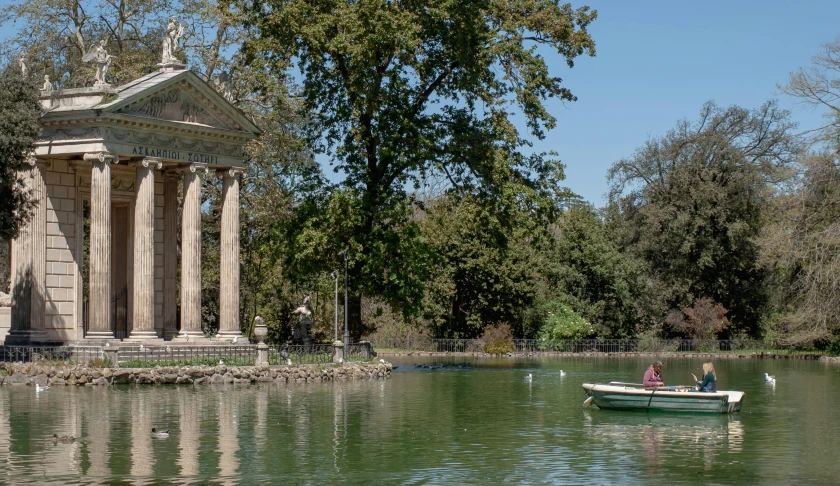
column 659, row 61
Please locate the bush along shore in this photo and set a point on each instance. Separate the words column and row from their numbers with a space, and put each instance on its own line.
column 78, row 374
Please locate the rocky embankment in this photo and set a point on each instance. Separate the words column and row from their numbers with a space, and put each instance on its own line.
column 32, row 374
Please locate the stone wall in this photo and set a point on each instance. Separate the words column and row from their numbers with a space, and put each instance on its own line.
column 60, row 182
column 31, row 374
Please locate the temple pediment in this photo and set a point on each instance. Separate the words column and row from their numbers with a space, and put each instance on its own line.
column 177, row 105
column 172, row 115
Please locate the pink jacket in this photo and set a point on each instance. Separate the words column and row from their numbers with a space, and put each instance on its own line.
column 652, row 378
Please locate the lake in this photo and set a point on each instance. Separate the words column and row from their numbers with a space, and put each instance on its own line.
column 473, row 421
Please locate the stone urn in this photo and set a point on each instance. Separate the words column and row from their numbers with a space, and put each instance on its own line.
column 260, row 329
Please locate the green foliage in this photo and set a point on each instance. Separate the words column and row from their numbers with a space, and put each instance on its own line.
column 396, row 92
column 834, row 347
column 691, row 203
column 592, row 273
column 560, row 321
column 489, row 266
column 19, row 126
column 497, row 339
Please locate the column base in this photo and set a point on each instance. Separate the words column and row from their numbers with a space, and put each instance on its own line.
column 100, row 335
column 229, row 335
column 24, row 338
column 190, row 337
column 143, row 337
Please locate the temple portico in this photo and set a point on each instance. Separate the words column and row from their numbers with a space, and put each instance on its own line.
column 106, row 171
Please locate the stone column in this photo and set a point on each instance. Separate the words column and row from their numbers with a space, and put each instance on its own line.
column 143, row 327
column 170, row 254
column 229, row 274
column 99, row 317
column 191, row 254
column 29, row 260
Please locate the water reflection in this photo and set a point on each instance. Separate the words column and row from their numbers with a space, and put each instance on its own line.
column 698, row 438
column 189, row 421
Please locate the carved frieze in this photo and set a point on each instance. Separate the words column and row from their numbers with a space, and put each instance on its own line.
column 70, row 134
column 175, row 105
column 150, row 139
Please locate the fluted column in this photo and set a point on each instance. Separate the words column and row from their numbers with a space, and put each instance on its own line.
column 229, row 274
column 143, row 326
column 170, row 254
column 39, row 255
column 191, row 254
column 23, row 278
column 99, row 325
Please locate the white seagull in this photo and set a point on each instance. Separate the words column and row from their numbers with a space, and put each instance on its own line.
column 530, row 377
column 41, row 388
column 562, row 373
column 381, row 360
column 769, row 378
column 289, row 361
column 221, row 362
column 235, row 338
column 142, row 348
column 160, row 433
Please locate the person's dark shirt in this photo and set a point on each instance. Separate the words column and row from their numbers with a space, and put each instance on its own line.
column 708, row 383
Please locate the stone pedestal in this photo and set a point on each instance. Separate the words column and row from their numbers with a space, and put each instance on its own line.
column 229, row 274
column 143, row 327
column 338, row 357
column 99, row 320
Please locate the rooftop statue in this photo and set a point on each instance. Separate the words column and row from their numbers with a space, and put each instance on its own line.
column 48, row 86
column 174, row 31
column 99, row 56
column 24, row 65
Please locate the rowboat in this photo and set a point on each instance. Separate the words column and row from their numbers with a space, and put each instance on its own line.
column 633, row 396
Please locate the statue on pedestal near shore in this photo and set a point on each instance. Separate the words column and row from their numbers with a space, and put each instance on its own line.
column 302, row 333
column 24, row 65
column 99, row 56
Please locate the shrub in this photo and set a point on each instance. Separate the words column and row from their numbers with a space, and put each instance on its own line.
column 834, row 347
column 704, row 320
column 497, row 339
column 561, row 322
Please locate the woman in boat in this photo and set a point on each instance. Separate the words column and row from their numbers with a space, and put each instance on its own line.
column 709, row 382
column 653, row 378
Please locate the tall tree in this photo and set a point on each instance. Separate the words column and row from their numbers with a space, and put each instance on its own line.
column 692, row 205
column 397, row 89
column 19, row 126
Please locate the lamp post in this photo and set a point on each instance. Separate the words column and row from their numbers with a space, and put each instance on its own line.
column 335, row 275
column 346, row 330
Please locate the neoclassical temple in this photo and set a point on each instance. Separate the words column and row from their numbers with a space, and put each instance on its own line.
column 107, row 170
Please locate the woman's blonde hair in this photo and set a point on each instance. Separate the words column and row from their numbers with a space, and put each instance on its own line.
column 709, row 367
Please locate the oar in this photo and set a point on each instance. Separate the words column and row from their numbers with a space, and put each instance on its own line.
column 588, row 402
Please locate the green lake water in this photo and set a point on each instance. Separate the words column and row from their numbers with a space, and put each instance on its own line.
column 473, row 421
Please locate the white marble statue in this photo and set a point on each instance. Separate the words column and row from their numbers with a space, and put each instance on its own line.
column 99, row 56
column 24, row 65
column 174, row 31
column 223, row 84
column 48, row 86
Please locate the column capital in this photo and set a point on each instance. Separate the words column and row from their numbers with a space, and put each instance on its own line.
column 100, row 157
column 195, row 167
column 234, row 171
column 150, row 161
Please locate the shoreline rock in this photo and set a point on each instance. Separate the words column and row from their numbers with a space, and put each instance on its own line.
column 668, row 354
column 82, row 375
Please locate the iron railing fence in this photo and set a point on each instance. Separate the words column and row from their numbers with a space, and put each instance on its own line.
column 52, row 354
column 294, row 354
column 150, row 356
column 594, row 345
column 362, row 351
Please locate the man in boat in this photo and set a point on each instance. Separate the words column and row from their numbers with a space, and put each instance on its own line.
column 652, row 377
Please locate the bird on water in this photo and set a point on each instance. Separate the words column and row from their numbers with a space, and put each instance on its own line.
column 64, row 438
column 160, row 433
